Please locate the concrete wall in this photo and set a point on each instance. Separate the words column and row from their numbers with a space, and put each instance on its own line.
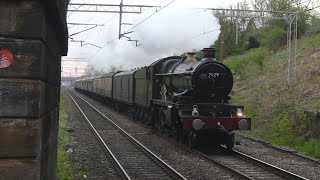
column 33, row 36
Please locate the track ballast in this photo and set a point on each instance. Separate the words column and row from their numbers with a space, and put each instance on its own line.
column 133, row 160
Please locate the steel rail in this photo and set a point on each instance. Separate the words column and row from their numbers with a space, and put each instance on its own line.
column 270, row 167
column 282, row 149
column 173, row 171
column 125, row 174
column 204, row 156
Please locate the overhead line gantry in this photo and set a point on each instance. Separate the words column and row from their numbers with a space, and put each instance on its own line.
column 101, row 8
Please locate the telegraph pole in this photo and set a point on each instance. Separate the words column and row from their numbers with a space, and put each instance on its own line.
column 120, row 18
column 222, row 44
column 222, row 38
column 237, row 25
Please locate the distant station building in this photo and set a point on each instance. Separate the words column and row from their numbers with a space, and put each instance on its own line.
column 72, row 69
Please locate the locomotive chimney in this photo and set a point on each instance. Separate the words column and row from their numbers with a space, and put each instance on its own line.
column 191, row 56
column 208, row 52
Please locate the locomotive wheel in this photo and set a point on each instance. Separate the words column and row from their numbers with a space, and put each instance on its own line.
column 192, row 139
column 140, row 116
column 158, row 125
column 135, row 117
column 166, row 130
column 145, row 117
column 178, row 132
column 160, row 121
column 184, row 137
column 230, row 141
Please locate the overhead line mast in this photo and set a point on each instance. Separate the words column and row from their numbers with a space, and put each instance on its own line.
column 291, row 19
column 135, row 9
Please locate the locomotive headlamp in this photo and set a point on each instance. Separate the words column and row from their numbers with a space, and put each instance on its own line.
column 239, row 113
column 195, row 111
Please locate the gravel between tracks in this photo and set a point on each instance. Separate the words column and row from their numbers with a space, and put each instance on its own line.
column 285, row 160
column 87, row 155
column 189, row 165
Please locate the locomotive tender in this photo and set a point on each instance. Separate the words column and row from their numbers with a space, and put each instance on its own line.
column 180, row 95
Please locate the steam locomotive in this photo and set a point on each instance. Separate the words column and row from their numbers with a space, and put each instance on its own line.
column 183, row 96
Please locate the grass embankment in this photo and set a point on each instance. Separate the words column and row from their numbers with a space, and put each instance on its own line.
column 277, row 110
column 65, row 168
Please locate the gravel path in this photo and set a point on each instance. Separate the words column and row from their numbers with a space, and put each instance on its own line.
column 189, row 165
column 285, row 160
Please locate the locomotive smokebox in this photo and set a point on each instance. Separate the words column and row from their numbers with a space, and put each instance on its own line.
column 209, row 52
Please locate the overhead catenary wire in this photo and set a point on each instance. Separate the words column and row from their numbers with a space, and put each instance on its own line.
column 292, row 5
column 310, row 9
column 211, row 31
column 113, row 40
column 71, row 12
column 300, row 3
column 136, row 25
column 110, row 42
column 151, row 15
column 223, row 2
column 110, row 19
column 104, row 24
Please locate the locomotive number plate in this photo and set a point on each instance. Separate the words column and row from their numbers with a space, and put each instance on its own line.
column 213, row 75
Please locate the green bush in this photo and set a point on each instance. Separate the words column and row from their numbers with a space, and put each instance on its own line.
column 242, row 64
column 301, row 124
column 284, row 131
column 315, row 104
column 274, row 38
column 310, row 147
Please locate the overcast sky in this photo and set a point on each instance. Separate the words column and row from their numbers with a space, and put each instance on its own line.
column 174, row 30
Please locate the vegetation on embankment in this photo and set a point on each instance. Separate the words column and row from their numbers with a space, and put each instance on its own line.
column 280, row 113
column 242, row 33
column 65, row 168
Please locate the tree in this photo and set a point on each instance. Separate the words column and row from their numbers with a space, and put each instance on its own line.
column 261, row 31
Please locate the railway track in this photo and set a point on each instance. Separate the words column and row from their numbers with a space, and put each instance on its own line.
column 240, row 164
column 278, row 148
column 133, row 160
column 248, row 167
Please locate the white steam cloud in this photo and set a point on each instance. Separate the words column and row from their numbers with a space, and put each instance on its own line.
column 170, row 31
